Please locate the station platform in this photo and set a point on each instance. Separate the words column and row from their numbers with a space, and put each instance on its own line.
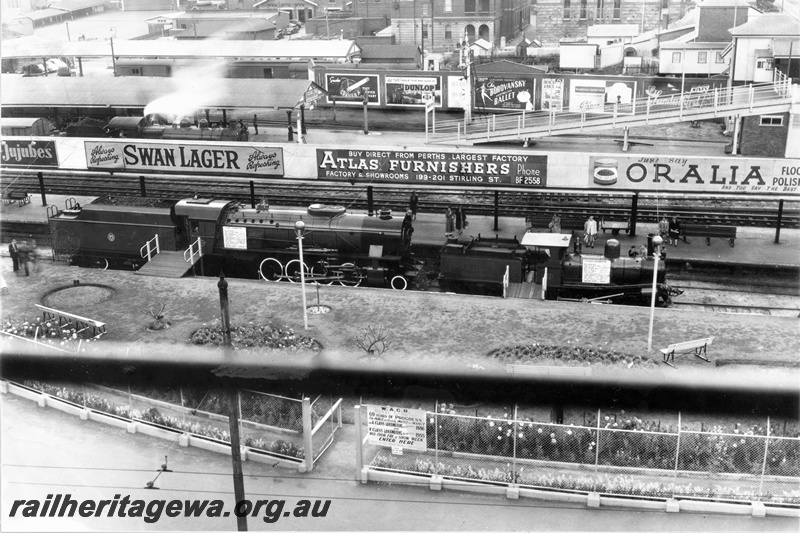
column 754, row 247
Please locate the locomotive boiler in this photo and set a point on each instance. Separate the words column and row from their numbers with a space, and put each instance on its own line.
column 221, row 235
column 544, row 264
column 152, row 127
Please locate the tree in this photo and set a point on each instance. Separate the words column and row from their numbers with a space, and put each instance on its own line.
column 766, row 6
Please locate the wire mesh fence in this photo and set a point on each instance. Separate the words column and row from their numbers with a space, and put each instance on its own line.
column 272, row 423
column 626, row 460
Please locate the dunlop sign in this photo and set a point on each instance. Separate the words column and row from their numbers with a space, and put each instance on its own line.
column 434, row 168
column 204, row 159
column 396, row 427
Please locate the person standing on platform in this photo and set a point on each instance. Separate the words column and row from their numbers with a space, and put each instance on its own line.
column 590, row 229
column 555, row 224
column 674, row 231
column 449, row 221
column 13, row 251
column 255, row 123
column 459, row 220
column 413, row 204
column 462, row 213
column 663, row 228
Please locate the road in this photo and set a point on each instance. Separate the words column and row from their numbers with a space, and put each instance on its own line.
column 48, row 452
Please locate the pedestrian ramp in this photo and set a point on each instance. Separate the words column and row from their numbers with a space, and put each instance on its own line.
column 166, row 264
column 524, row 290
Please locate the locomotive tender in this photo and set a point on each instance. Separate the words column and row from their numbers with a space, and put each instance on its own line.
column 544, row 260
column 338, row 246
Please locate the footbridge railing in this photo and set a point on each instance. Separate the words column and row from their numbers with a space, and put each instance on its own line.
column 656, row 108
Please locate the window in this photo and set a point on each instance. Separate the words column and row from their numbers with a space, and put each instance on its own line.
column 268, row 73
column 765, row 63
column 583, row 9
column 702, row 57
column 598, row 14
column 448, row 32
column 136, row 71
column 424, row 31
column 485, row 6
column 719, row 58
column 566, row 10
column 617, row 9
column 448, row 6
column 676, row 57
column 469, row 6
column 771, row 120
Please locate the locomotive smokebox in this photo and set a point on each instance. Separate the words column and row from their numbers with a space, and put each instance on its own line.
column 612, row 249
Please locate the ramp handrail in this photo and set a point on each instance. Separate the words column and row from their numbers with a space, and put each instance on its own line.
column 145, row 251
column 190, row 256
column 682, row 106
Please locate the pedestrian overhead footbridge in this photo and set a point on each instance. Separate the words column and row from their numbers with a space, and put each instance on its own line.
column 761, row 99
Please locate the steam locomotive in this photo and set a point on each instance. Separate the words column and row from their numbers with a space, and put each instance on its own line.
column 152, row 127
column 224, row 236
column 543, row 262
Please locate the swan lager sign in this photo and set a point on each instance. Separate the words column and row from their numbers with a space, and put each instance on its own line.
column 171, row 157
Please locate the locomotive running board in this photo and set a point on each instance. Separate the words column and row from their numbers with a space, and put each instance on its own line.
column 166, row 265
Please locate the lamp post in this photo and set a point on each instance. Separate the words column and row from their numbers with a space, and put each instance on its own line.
column 656, row 242
column 113, row 59
column 299, row 229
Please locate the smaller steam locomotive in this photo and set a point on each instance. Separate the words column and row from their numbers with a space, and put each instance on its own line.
column 224, row 236
column 156, row 127
column 544, row 262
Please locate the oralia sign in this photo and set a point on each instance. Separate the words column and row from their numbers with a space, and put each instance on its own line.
column 433, row 167
column 696, row 174
column 212, row 159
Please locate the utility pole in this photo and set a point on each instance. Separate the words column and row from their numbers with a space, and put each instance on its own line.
column 233, row 405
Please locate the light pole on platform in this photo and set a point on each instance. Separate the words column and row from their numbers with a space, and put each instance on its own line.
column 656, row 243
column 300, row 229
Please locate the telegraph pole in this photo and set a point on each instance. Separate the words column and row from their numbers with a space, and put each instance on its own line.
column 233, row 405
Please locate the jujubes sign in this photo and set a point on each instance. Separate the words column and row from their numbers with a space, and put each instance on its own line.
column 28, row 153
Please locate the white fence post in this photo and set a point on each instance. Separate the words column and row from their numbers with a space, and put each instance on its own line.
column 158, row 246
column 239, row 406
column 308, row 442
column 514, row 457
column 677, row 455
column 596, row 452
column 764, row 464
column 436, row 437
column 359, row 442
column 752, row 96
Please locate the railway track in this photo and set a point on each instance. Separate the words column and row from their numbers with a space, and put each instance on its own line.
column 739, row 309
column 510, row 203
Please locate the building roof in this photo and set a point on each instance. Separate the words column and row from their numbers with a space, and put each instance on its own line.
column 27, row 47
column 137, row 92
column 677, row 45
column 210, row 28
column 613, row 30
column 504, row 66
column 389, row 51
column 723, row 3
column 768, row 25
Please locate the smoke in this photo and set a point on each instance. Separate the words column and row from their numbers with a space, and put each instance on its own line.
column 197, row 87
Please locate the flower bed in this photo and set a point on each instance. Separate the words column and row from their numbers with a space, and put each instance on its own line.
column 256, row 336
column 153, row 416
column 48, row 332
column 571, row 355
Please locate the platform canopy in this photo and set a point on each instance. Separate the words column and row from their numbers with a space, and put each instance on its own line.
column 35, row 47
column 138, row 92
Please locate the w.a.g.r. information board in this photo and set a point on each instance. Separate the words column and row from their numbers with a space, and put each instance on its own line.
column 396, row 426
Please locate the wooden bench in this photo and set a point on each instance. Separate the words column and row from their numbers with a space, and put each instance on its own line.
column 541, row 221
column 66, row 320
column 22, row 198
column 698, row 347
column 615, row 225
column 708, row 231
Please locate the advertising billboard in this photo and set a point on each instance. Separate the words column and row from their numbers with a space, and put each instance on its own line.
column 348, row 88
column 512, row 94
column 599, row 96
column 695, row 174
column 26, row 153
column 433, row 168
column 411, row 91
column 204, row 159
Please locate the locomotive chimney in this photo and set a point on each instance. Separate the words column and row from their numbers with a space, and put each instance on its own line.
column 650, row 246
column 612, row 249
